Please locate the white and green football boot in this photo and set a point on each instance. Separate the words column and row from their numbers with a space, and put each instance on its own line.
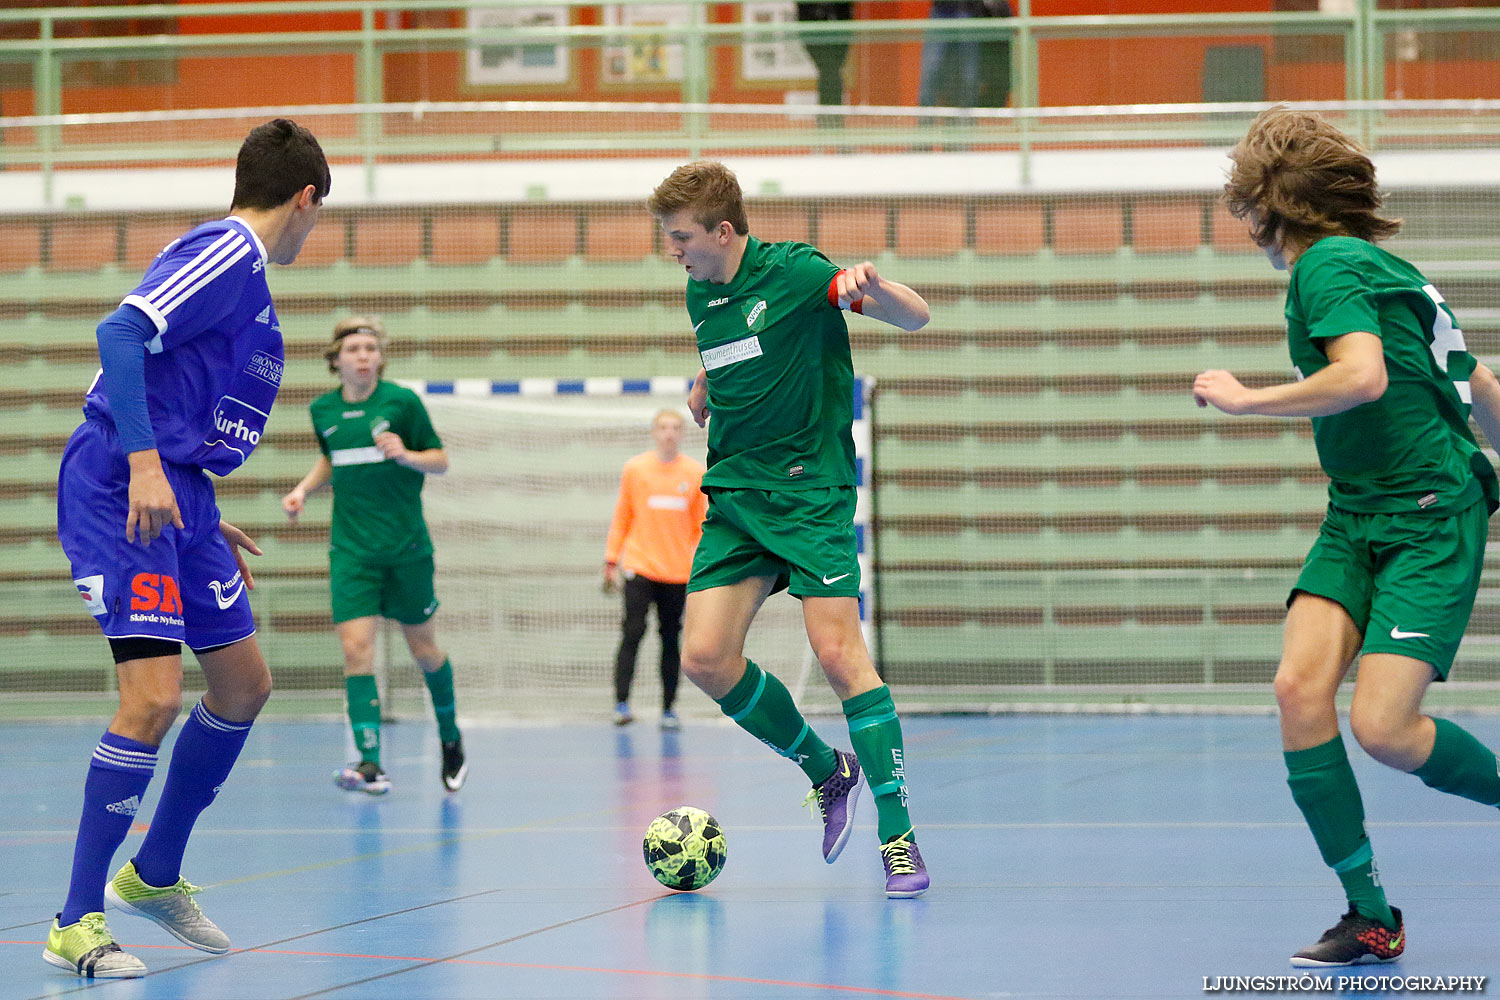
column 173, row 907
column 88, row 948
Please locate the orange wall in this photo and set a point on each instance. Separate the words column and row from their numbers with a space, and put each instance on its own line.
column 1135, row 71
column 256, row 81
column 235, row 82
column 1072, row 72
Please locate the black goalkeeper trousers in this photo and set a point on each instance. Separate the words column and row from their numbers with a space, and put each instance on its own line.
column 640, row 594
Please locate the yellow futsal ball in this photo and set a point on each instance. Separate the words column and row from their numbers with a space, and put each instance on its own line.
column 685, row 848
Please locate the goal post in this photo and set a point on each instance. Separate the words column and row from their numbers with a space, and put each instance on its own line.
column 519, row 524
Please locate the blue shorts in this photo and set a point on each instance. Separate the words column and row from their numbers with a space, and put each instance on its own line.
column 183, row 587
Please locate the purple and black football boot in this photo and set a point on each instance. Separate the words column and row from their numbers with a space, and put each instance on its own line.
column 836, row 798
column 905, row 872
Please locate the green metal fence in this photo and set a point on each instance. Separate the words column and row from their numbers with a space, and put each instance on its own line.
column 1365, row 32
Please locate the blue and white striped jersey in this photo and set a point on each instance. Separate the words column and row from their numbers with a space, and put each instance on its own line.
column 215, row 364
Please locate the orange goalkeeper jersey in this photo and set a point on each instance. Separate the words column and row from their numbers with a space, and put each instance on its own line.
column 658, row 517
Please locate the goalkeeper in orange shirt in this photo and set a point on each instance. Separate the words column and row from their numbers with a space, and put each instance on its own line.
column 658, row 520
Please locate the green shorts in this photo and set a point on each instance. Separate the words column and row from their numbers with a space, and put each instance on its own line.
column 1407, row 581
column 802, row 538
column 402, row 592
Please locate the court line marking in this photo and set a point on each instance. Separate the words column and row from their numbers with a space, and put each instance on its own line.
column 452, row 837
column 287, row 940
column 477, row 832
column 700, row 976
column 460, row 958
column 496, row 964
column 468, row 834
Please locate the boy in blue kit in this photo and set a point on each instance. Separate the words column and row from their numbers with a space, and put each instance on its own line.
column 191, row 363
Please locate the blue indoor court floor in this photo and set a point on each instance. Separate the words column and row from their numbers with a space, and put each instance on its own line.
column 1072, row 856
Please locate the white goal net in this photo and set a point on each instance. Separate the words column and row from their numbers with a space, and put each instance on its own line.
column 519, row 526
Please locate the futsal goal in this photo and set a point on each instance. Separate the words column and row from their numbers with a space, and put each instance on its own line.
column 519, row 526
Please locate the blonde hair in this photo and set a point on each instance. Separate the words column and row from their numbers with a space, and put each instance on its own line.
column 667, row 411
column 355, row 324
column 709, row 189
column 1303, row 178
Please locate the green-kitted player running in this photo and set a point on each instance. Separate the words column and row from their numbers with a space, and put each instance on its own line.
column 1383, row 372
column 377, row 448
column 778, row 377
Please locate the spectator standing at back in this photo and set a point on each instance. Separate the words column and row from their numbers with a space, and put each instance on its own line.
column 828, row 52
column 994, row 61
column 658, row 520
column 950, row 66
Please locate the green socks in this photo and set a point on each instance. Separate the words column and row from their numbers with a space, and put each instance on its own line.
column 440, row 686
column 1461, row 765
column 876, row 734
column 763, row 707
column 364, row 709
column 1323, row 787
column 364, row 715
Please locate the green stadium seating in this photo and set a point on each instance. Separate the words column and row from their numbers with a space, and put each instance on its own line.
column 1052, row 508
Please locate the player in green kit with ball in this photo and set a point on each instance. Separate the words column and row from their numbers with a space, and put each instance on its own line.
column 779, row 380
column 377, row 446
column 1385, row 376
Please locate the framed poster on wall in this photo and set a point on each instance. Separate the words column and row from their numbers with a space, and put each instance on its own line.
column 769, row 57
column 498, row 62
column 645, row 58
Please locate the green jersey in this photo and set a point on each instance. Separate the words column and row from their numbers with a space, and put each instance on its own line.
column 1411, row 450
column 780, row 377
column 377, row 503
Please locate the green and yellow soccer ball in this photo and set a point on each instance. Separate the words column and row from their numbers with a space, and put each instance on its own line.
column 685, row 848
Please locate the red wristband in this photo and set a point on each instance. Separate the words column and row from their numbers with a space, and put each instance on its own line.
column 833, row 290
column 856, row 306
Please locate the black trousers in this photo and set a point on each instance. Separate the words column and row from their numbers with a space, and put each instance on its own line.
column 828, row 58
column 669, row 598
column 827, row 53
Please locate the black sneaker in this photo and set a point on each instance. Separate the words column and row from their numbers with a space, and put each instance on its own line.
column 455, row 765
column 366, row 777
column 1355, row 940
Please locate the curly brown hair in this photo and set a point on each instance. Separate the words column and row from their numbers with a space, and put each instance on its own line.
column 709, row 189
column 355, row 324
column 1294, row 173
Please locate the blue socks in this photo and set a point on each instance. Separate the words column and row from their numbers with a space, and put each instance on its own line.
column 118, row 776
column 205, row 752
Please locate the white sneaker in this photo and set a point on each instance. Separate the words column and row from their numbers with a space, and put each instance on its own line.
column 173, row 907
column 87, row 948
column 364, row 777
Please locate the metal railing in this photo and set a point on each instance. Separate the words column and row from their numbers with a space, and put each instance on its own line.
column 65, row 161
column 1363, row 31
column 49, row 140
